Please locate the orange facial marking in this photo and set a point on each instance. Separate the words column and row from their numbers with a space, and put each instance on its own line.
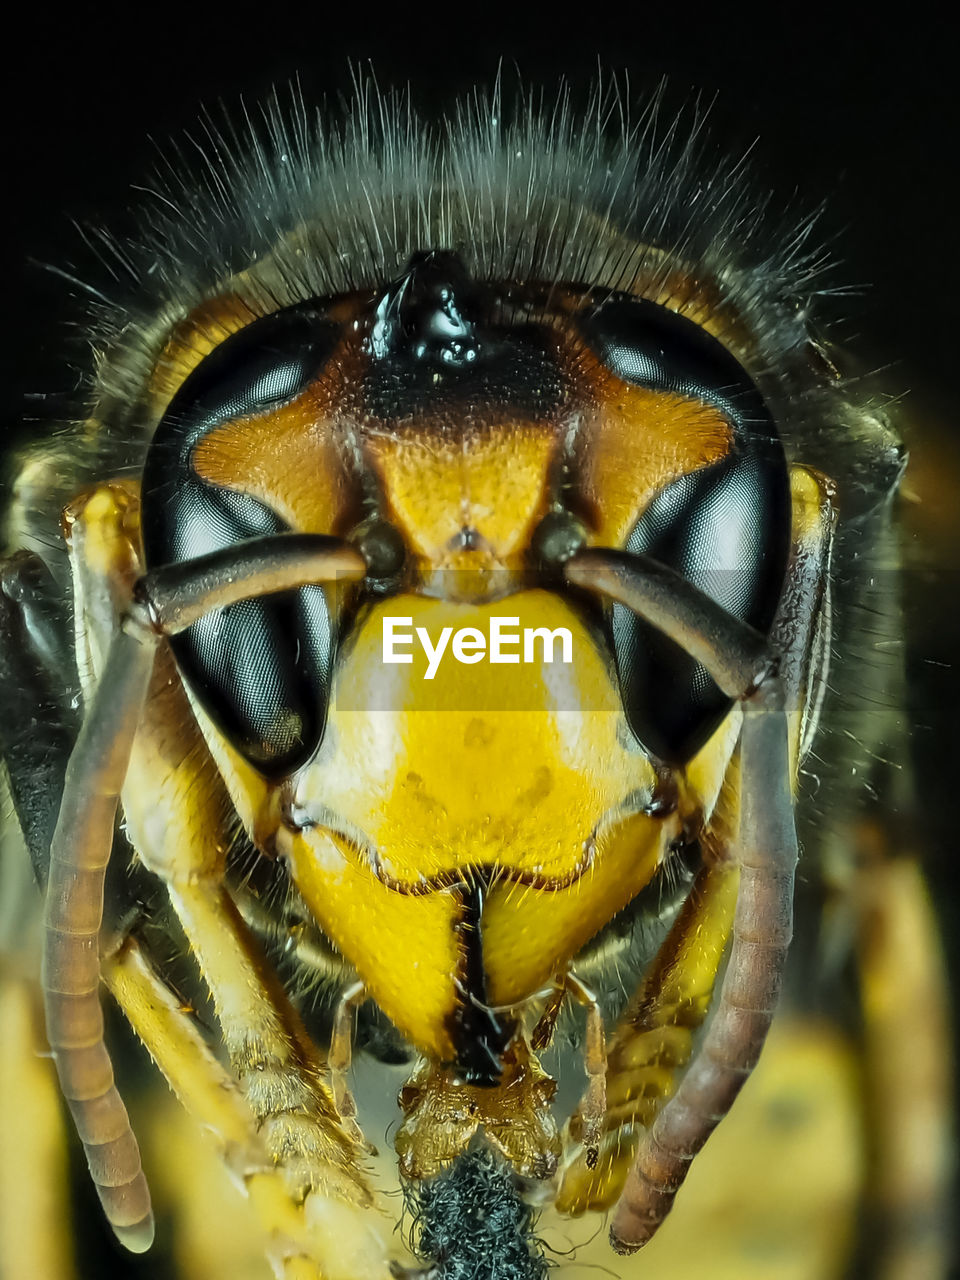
column 287, row 459
column 636, row 442
column 492, row 480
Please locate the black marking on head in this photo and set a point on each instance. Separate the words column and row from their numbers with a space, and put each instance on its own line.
column 430, row 314
column 479, row 1035
column 436, row 341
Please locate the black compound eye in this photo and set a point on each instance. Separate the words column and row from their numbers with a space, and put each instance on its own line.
column 725, row 528
column 260, row 668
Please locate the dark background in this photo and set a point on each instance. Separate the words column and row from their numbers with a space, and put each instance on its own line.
column 861, row 114
column 864, row 115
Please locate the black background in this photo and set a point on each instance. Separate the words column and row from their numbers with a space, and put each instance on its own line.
column 845, row 107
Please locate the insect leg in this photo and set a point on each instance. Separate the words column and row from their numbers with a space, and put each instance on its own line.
column 176, row 812
column 280, row 1072
column 210, row 1095
column 593, row 1106
column 175, row 809
column 341, row 1053
column 542, row 1033
column 653, row 1039
column 319, row 1180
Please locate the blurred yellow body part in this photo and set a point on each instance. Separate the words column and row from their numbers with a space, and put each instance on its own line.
column 776, row 1193
column 35, row 1195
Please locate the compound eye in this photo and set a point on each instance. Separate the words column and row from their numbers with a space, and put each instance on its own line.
column 260, row 668
column 725, row 527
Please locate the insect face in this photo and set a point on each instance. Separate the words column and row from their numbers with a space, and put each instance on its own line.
column 453, row 611
column 460, row 841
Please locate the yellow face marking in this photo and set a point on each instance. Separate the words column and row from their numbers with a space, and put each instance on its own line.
column 521, row 779
column 406, row 949
column 420, row 785
column 529, row 935
column 486, row 763
column 287, row 459
column 492, row 480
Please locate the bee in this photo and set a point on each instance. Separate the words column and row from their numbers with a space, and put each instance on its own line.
column 469, row 586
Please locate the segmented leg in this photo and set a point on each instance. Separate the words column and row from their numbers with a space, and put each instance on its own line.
column 299, row 1243
column 542, row 1035
column 175, row 809
column 593, row 1106
column 341, row 1054
column 279, row 1071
